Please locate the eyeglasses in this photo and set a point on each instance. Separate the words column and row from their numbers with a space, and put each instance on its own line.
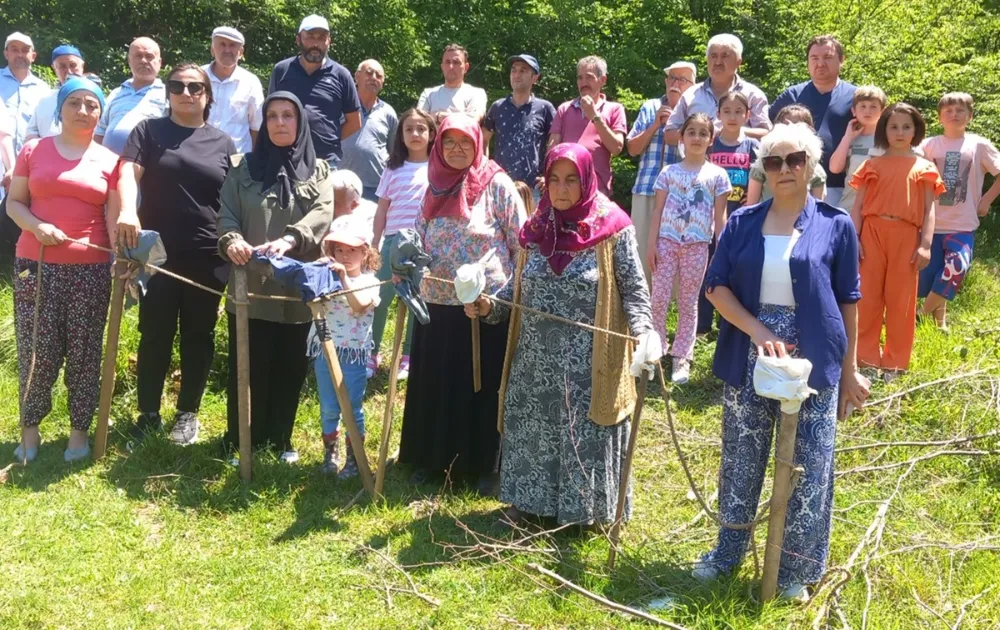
column 466, row 144
column 674, row 79
column 194, row 88
column 795, row 161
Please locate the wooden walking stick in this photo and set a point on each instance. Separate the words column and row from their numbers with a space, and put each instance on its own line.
column 319, row 309
column 784, row 457
column 110, row 360
column 627, row 469
column 242, row 301
column 390, row 399
column 477, row 368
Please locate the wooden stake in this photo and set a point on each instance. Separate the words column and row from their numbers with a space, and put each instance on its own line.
column 110, row 360
column 784, row 456
column 390, row 399
column 319, row 310
column 242, row 301
column 627, row 470
column 477, row 368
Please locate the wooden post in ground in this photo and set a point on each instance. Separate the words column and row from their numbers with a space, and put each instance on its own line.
column 627, row 470
column 242, row 302
column 110, row 360
column 319, row 310
column 784, row 457
column 477, row 367
column 390, row 398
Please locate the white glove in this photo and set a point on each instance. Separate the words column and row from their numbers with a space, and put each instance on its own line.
column 785, row 379
column 647, row 354
column 470, row 280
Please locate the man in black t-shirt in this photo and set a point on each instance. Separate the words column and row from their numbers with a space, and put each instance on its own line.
column 325, row 87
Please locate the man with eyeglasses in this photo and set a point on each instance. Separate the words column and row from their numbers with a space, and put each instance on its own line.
column 237, row 92
column 142, row 96
column 367, row 152
column 646, row 140
column 324, row 87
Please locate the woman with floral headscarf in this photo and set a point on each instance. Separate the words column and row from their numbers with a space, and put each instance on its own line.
column 569, row 394
column 471, row 213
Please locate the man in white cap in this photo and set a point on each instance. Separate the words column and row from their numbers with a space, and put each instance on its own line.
column 141, row 97
column 646, row 140
column 367, row 152
column 238, row 94
column 325, row 88
column 20, row 89
column 67, row 61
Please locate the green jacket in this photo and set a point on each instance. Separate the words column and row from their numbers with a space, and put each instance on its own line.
column 254, row 216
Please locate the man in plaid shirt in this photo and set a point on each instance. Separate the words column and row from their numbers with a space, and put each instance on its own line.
column 646, row 140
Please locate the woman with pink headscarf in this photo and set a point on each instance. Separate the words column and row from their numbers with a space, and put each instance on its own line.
column 471, row 213
column 569, row 393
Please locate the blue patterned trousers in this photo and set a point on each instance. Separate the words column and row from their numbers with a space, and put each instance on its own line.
column 748, row 423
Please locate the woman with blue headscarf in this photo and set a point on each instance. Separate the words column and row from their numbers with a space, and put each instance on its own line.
column 63, row 190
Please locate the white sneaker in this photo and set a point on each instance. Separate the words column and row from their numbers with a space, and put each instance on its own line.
column 289, row 457
column 704, row 572
column 682, row 371
column 797, row 593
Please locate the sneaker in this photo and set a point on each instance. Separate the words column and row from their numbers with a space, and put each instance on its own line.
column 350, row 469
column 289, row 457
column 682, row 371
column 374, row 361
column 796, row 593
column 185, row 431
column 404, row 368
column 331, row 456
column 145, row 424
column 704, row 572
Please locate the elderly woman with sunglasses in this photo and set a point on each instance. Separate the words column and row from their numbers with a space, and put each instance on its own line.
column 785, row 279
column 173, row 168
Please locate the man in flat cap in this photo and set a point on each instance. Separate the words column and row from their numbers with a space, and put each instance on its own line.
column 67, row 61
column 238, row 93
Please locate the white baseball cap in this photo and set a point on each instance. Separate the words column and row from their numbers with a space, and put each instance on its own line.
column 312, row 22
column 350, row 229
column 230, row 33
column 683, row 65
column 18, row 36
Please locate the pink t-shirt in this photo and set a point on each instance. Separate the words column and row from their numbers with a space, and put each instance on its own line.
column 963, row 164
column 572, row 126
column 404, row 187
column 69, row 194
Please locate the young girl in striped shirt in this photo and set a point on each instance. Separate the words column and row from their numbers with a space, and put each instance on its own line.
column 400, row 193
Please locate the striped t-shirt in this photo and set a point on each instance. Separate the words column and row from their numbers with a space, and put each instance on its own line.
column 404, row 187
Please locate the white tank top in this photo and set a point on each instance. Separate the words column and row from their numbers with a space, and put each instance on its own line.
column 776, row 275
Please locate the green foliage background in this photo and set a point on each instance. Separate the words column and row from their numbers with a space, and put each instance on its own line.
column 915, row 50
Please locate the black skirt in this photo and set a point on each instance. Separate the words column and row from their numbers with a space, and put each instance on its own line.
column 447, row 426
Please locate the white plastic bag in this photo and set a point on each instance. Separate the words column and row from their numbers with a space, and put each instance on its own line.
column 647, row 353
column 784, row 379
column 470, row 280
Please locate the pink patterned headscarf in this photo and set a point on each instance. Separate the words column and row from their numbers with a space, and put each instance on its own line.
column 452, row 192
column 561, row 234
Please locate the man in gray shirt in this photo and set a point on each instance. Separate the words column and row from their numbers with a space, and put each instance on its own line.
column 367, row 151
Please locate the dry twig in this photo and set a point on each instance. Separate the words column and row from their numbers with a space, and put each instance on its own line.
column 413, row 590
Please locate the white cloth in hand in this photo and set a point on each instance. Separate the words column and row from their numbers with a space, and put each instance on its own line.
column 784, row 379
column 647, row 354
column 470, row 280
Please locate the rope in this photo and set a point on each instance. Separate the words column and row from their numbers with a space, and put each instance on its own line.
column 534, row 311
column 197, row 285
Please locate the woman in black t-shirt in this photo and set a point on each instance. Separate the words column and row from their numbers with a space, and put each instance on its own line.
column 176, row 165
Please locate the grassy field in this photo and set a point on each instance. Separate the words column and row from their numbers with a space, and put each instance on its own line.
column 169, row 537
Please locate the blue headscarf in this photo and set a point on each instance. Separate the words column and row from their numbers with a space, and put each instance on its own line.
column 74, row 84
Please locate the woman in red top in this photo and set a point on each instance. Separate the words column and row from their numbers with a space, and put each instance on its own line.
column 63, row 188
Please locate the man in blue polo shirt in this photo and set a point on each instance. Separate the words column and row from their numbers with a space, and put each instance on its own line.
column 325, row 88
column 141, row 97
column 829, row 99
column 521, row 123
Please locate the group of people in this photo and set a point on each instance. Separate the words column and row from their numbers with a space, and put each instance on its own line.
column 787, row 219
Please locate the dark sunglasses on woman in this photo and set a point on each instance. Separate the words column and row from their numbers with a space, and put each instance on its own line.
column 194, row 88
column 795, row 161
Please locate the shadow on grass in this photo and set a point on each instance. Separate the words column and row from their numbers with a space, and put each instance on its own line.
column 48, row 469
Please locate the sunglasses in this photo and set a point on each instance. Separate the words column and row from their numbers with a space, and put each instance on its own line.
column 194, row 88
column 795, row 161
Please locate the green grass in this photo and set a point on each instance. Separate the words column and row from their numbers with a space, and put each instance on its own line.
column 169, row 537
